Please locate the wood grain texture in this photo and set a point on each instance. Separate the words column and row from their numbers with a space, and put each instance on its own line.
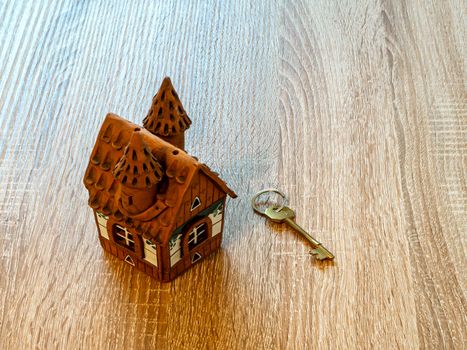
column 356, row 109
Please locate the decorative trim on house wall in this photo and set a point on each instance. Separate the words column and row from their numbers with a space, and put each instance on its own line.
column 196, row 203
column 196, row 257
column 129, row 260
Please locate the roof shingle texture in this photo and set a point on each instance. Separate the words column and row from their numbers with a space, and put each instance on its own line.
column 138, row 167
column 166, row 117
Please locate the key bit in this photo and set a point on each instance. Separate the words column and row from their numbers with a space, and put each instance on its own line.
column 321, row 253
column 285, row 214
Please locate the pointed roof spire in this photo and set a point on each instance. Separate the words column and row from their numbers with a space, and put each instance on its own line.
column 167, row 117
column 138, row 167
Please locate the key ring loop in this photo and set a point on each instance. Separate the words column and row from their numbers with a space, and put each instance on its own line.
column 273, row 190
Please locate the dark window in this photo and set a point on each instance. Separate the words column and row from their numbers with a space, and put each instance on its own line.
column 196, row 203
column 123, row 237
column 196, row 257
column 197, row 236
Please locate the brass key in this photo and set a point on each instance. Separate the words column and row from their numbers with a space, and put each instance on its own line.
column 282, row 214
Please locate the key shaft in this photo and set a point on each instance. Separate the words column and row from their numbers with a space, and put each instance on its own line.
column 319, row 251
column 305, row 234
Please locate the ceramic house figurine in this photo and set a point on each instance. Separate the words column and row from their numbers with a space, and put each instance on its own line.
column 156, row 207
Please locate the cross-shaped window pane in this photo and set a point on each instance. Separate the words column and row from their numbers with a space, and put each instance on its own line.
column 123, row 237
column 197, row 236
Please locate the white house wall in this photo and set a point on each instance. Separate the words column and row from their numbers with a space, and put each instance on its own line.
column 102, row 224
column 216, row 219
column 150, row 252
column 175, row 250
column 216, row 228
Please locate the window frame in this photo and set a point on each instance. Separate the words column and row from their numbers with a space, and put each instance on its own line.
column 196, row 232
column 124, row 240
column 186, row 236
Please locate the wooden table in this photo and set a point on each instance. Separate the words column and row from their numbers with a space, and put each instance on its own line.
column 355, row 109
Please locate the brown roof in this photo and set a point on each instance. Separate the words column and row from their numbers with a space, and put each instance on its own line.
column 166, row 117
column 138, row 167
column 156, row 222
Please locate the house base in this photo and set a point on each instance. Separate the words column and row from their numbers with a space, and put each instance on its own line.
column 187, row 261
column 123, row 253
column 194, row 256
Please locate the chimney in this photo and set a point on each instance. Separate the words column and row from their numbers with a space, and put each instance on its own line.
column 138, row 172
column 167, row 118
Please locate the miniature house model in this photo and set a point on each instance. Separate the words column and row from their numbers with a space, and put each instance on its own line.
column 156, row 207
